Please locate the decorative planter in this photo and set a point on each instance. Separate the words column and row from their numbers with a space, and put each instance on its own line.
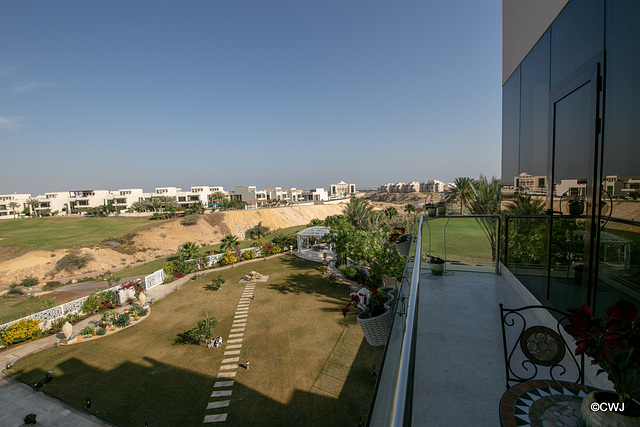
column 376, row 329
column 404, row 245
column 391, row 302
column 592, row 418
column 437, row 269
column 442, row 209
column 576, row 208
column 431, row 209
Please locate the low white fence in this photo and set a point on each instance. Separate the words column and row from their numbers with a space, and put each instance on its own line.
column 57, row 312
column 154, row 279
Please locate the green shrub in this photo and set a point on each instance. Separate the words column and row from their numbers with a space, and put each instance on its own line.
column 87, row 330
column 101, row 331
column 14, row 292
column 122, row 320
column 350, row 273
column 99, row 301
column 257, row 231
column 189, row 220
column 73, row 261
column 47, row 302
column 21, row 331
column 204, row 330
column 14, row 285
column 52, row 285
column 28, row 282
column 137, row 310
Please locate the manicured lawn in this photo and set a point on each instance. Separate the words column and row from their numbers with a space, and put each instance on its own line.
column 67, row 232
column 465, row 239
column 294, row 329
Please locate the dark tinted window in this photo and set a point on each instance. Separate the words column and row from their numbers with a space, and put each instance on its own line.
column 510, row 127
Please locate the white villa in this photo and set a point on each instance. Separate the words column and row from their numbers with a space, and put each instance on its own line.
column 431, row 186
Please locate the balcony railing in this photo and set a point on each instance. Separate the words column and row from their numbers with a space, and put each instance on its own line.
column 393, row 396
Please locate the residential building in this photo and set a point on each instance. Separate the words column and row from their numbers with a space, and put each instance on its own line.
column 167, row 192
column 316, row 195
column 624, row 185
column 124, row 198
column 432, row 186
column 529, row 183
column 342, row 189
column 81, row 200
column 249, row 193
column 411, row 187
column 6, row 200
column 58, row 202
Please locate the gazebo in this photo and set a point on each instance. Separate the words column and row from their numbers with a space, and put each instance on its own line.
column 305, row 235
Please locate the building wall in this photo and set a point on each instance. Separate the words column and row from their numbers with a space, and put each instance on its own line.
column 524, row 22
column 577, row 62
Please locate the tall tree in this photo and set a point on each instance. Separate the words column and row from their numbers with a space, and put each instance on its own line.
column 390, row 212
column 462, row 192
column 13, row 205
column 360, row 214
column 33, row 204
column 485, row 200
column 188, row 250
column 410, row 208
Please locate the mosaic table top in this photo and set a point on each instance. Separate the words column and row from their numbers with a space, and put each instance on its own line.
column 542, row 403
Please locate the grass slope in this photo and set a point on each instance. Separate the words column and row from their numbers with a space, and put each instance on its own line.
column 67, row 232
column 465, row 239
column 141, row 375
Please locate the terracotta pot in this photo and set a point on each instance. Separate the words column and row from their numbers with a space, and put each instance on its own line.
column 591, row 418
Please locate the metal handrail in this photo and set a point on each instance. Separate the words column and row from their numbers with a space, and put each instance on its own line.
column 404, row 384
column 496, row 216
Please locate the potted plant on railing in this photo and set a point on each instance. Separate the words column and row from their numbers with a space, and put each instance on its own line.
column 442, row 208
column 375, row 314
column 431, row 209
column 576, row 207
column 613, row 343
column 402, row 241
column 437, row 265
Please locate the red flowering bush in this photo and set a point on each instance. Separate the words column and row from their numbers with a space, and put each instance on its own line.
column 393, row 237
column 612, row 341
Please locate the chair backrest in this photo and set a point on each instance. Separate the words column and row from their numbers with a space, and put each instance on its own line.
column 533, row 350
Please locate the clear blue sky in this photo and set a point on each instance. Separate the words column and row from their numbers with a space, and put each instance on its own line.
column 143, row 94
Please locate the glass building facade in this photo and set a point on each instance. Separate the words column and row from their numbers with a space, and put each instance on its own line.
column 571, row 132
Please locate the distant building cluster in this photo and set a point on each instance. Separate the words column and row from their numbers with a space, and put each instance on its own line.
column 432, row 186
column 615, row 185
column 78, row 201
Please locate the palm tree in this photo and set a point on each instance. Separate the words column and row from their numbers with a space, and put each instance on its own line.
column 485, row 200
column 315, row 222
column 390, row 212
column 410, row 208
column 13, row 205
column 360, row 214
column 462, row 192
column 33, row 204
column 524, row 204
column 188, row 250
column 229, row 242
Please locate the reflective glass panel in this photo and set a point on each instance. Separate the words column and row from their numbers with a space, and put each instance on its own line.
column 510, row 128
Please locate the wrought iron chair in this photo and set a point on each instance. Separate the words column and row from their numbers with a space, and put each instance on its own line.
column 532, row 350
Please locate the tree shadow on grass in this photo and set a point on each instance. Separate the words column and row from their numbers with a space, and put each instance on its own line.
column 185, row 339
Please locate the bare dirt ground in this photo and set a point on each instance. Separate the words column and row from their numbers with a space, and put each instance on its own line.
column 163, row 240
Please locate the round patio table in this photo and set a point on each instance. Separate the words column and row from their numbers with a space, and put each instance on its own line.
column 540, row 403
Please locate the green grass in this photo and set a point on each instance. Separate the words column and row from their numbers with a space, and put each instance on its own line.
column 465, row 239
column 67, row 232
column 141, row 375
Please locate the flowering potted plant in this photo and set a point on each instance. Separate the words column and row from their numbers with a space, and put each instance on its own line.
column 374, row 317
column 437, row 265
column 613, row 343
column 402, row 241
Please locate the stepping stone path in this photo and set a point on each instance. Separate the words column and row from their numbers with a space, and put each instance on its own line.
column 222, row 389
